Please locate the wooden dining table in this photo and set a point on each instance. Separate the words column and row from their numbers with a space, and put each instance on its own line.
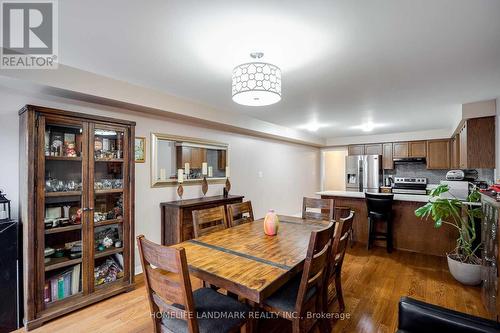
column 245, row 261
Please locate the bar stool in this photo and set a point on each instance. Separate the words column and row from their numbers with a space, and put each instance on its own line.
column 379, row 208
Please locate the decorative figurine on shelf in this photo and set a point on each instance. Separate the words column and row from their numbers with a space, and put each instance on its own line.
column 204, row 183
column 180, row 180
column 70, row 150
column 107, row 242
column 271, row 223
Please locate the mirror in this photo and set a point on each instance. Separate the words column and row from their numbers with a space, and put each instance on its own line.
column 196, row 157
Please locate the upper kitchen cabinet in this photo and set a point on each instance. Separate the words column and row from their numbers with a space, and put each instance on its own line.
column 455, row 152
column 438, row 154
column 356, row 149
column 417, row 149
column 195, row 156
column 477, row 144
column 387, row 159
column 373, row 149
column 400, row 150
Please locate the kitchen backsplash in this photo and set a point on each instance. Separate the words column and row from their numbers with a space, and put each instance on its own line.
column 433, row 176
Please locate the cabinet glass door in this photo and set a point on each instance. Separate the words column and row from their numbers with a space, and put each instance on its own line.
column 61, row 180
column 108, row 196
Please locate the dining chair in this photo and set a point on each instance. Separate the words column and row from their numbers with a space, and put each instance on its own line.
column 333, row 288
column 173, row 304
column 209, row 220
column 303, row 294
column 325, row 207
column 343, row 212
column 240, row 213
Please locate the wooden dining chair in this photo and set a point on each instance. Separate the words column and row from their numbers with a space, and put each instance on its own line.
column 341, row 212
column 240, row 213
column 325, row 207
column 333, row 289
column 173, row 304
column 209, row 220
column 304, row 293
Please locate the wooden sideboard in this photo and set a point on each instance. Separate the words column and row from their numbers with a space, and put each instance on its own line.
column 177, row 219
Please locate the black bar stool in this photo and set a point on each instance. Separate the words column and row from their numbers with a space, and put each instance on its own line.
column 379, row 208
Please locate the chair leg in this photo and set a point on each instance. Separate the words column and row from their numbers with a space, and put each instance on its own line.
column 338, row 289
column 296, row 325
column 370, row 227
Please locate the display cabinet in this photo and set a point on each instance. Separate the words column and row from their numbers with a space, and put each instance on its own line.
column 77, row 211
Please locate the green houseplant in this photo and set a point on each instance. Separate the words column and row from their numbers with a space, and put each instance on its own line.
column 463, row 261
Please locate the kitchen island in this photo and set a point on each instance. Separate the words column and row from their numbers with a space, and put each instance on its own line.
column 410, row 233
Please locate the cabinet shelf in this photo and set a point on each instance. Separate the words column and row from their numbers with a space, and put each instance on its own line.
column 63, row 229
column 63, row 194
column 107, row 252
column 63, row 158
column 56, row 263
column 115, row 190
column 115, row 160
column 107, row 222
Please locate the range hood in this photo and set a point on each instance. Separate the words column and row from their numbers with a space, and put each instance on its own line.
column 410, row 160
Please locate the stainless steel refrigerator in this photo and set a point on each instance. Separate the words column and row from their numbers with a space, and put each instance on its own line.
column 363, row 173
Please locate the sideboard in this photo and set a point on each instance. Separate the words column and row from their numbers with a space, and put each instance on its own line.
column 177, row 217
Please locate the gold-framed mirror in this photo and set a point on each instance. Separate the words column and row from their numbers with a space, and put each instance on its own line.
column 197, row 158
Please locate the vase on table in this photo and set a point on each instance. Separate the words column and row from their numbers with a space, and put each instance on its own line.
column 271, row 223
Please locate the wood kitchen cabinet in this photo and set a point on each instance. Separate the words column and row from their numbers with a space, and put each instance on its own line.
column 400, row 150
column 387, row 159
column 417, row 149
column 438, row 154
column 195, row 156
column 356, row 149
column 477, row 143
column 221, row 159
column 455, row 152
column 373, row 149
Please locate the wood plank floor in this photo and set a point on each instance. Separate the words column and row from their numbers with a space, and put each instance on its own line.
column 373, row 283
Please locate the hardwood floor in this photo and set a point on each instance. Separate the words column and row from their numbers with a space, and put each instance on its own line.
column 373, row 282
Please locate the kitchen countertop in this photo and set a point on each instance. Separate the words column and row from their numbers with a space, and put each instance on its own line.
column 400, row 197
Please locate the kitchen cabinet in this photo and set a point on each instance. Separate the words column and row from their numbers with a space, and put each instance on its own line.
column 417, row 149
column 195, row 156
column 221, row 159
column 356, row 149
column 477, row 143
column 438, row 154
column 400, row 150
column 373, row 149
column 387, row 159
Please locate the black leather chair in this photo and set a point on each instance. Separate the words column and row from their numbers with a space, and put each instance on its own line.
column 379, row 208
column 420, row 317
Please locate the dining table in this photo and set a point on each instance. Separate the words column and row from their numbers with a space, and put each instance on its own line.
column 247, row 262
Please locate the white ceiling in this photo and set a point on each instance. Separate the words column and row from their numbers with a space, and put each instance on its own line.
column 403, row 65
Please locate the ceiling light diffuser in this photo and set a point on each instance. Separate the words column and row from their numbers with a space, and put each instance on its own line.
column 256, row 83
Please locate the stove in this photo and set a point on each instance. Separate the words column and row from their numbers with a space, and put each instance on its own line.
column 416, row 185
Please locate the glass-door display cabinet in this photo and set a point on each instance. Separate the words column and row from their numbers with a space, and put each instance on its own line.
column 76, row 207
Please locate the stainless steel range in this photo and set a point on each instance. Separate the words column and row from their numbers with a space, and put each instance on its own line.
column 410, row 185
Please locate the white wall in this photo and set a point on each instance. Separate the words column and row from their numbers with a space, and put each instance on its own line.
column 289, row 171
column 333, row 169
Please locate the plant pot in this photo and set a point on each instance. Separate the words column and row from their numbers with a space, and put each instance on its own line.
column 468, row 274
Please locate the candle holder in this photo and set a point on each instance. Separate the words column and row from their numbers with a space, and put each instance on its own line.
column 180, row 190
column 204, row 186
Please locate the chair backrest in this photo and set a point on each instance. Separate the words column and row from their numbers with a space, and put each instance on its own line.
column 240, row 213
column 340, row 212
column 343, row 229
column 206, row 221
column 324, row 205
column 379, row 203
column 315, row 268
column 166, row 277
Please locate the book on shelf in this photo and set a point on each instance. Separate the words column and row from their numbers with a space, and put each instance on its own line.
column 62, row 285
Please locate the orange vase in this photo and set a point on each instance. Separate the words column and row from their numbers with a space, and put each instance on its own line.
column 271, row 223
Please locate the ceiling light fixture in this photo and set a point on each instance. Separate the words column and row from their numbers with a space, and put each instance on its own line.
column 256, row 83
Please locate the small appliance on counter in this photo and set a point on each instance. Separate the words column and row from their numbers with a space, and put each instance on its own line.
column 416, row 185
column 470, row 175
column 457, row 189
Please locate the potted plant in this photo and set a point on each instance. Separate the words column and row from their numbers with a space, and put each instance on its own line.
column 463, row 262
